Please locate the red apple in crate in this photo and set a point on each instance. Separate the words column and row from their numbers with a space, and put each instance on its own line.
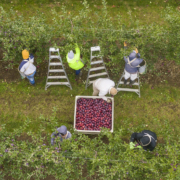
column 91, row 114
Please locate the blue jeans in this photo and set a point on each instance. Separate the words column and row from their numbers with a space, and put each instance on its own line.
column 78, row 71
column 31, row 78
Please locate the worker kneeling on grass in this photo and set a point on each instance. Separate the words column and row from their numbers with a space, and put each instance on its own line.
column 26, row 68
column 75, row 62
column 133, row 62
column 102, row 86
column 145, row 139
column 62, row 133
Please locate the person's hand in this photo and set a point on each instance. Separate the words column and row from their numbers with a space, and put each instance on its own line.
column 138, row 146
column 136, row 50
column 132, row 145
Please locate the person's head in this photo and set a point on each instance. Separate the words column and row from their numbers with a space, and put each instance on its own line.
column 113, row 91
column 25, row 54
column 144, row 140
column 71, row 54
column 62, row 130
column 132, row 55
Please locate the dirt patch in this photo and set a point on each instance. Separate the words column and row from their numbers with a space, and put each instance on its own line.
column 165, row 72
column 24, row 137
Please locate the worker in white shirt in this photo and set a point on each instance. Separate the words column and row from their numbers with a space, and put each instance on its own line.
column 26, row 68
column 104, row 86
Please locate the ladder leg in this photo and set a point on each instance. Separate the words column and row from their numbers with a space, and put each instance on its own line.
column 88, row 72
column 87, row 79
column 66, row 74
column 139, row 85
column 105, row 68
column 47, row 75
column 102, row 67
column 120, row 79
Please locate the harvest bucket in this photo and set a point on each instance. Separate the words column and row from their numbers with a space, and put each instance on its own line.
column 142, row 69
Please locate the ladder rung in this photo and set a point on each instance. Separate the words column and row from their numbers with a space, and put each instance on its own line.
column 56, row 77
column 54, row 50
column 136, row 84
column 128, row 89
column 99, row 74
column 96, row 48
column 92, row 57
column 58, row 83
column 54, row 57
column 98, row 68
column 56, row 70
column 55, row 64
column 97, row 62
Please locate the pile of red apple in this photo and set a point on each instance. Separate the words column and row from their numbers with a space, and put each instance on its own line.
column 92, row 114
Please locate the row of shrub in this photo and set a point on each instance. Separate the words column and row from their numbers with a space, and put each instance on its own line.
column 153, row 41
column 25, row 154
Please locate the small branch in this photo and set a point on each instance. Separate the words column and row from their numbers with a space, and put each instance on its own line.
column 95, row 154
column 72, row 26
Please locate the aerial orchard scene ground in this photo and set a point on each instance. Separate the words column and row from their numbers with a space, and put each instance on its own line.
column 59, row 120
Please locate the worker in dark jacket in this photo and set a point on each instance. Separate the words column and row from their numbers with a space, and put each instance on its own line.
column 61, row 133
column 133, row 62
column 145, row 139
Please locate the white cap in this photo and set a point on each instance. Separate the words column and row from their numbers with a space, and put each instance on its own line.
column 70, row 55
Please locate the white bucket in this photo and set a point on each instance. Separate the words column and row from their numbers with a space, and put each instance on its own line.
column 142, row 69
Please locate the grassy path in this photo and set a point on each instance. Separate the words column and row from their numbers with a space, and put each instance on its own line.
column 155, row 108
column 18, row 100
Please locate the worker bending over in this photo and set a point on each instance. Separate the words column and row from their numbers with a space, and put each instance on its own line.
column 145, row 139
column 61, row 133
column 103, row 86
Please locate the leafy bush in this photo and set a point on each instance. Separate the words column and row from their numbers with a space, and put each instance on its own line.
column 82, row 157
column 18, row 33
column 67, row 28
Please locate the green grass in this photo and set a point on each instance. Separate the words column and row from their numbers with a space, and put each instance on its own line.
column 20, row 101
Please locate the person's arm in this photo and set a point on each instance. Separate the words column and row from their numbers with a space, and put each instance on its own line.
column 69, row 135
column 23, row 68
column 31, row 58
column 138, row 55
column 125, row 59
column 142, row 63
column 53, row 135
column 77, row 55
column 133, row 137
column 22, row 75
column 102, row 93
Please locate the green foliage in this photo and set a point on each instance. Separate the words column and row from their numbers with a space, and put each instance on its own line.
column 18, row 33
column 70, row 159
column 67, row 28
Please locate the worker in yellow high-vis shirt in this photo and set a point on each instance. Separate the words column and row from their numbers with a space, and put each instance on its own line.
column 74, row 61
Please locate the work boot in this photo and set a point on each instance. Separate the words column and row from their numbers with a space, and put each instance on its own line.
column 131, row 82
column 125, row 81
